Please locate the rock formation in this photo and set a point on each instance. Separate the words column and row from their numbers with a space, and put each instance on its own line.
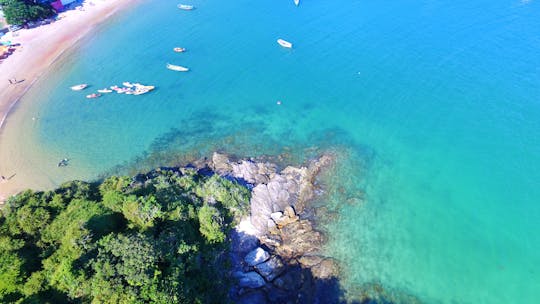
column 276, row 253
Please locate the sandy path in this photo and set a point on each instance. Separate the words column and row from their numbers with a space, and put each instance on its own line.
column 40, row 47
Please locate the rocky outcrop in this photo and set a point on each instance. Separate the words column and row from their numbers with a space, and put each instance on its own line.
column 281, row 247
column 272, row 191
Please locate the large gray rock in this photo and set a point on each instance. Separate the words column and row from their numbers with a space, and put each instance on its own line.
column 271, row 268
column 276, row 215
column 257, row 256
column 249, row 279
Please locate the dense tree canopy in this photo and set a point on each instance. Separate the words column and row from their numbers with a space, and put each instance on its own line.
column 21, row 11
column 154, row 240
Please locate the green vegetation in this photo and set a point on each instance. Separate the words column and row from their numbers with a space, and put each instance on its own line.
column 18, row 12
column 121, row 241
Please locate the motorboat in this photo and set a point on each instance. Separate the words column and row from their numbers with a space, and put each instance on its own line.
column 93, row 95
column 296, row 2
column 177, row 68
column 141, row 91
column 284, row 43
column 79, row 87
column 123, row 90
column 127, row 84
column 185, row 7
column 105, row 91
column 179, row 49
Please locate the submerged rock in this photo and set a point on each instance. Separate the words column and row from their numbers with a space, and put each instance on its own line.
column 326, row 269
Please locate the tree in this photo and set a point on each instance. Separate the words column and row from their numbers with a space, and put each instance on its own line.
column 157, row 241
column 18, row 12
column 210, row 223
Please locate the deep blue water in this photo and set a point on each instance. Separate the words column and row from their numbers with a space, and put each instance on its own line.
column 434, row 107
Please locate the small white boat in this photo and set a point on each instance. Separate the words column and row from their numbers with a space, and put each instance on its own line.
column 296, row 2
column 127, row 84
column 79, row 87
column 179, row 49
column 141, row 91
column 177, row 68
column 105, row 91
column 284, row 43
column 93, row 95
column 185, row 7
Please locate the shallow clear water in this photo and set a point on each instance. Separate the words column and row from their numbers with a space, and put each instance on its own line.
column 434, row 104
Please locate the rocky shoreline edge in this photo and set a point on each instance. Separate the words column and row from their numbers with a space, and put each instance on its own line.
column 276, row 252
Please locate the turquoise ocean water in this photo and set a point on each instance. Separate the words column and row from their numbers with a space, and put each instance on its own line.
column 433, row 106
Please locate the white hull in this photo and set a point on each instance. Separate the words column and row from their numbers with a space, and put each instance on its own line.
column 296, row 2
column 285, row 44
column 177, row 68
column 79, row 87
column 185, row 7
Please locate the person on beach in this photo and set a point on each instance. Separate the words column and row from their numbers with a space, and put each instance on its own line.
column 10, row 82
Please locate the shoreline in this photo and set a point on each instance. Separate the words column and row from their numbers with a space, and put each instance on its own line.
column 40, row 49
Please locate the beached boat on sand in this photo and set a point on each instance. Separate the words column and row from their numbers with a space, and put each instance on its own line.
column 284, row 43
column 177, row 68
column 79, row 87
column 185, row 7
column 179, row 49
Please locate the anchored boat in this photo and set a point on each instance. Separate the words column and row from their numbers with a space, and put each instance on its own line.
column 79, row 87
column 285, row 44
column 185, row 7
column 177, row 68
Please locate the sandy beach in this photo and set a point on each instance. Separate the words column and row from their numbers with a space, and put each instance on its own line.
column 39, row 48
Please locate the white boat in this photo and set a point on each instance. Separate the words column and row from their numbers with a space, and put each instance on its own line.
column 284, row 43
column 105, row 90
column 141, row 91
column 127, row 84
column 185, row 7
column 296, row 2
column 93, row 95
column 177, row 68
column 79, row 87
